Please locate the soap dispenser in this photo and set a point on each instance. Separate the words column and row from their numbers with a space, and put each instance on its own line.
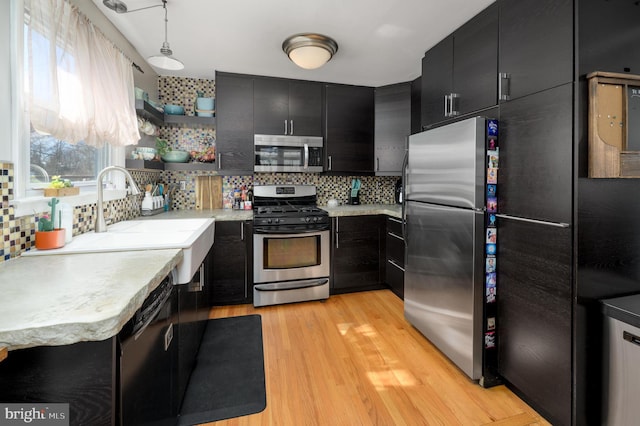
column 147, row 202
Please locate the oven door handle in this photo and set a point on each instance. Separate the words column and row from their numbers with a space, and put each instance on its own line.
column 290, row 285
column 257, row 230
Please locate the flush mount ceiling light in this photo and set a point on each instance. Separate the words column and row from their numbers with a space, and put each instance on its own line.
column 165, row 60
column 309, row 51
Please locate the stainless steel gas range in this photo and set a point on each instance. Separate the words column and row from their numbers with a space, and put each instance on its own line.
column 291, row 240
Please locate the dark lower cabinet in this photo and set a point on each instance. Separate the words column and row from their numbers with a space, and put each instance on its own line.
column 230, row 274
column 358, row 256
column 535, row 315
column 81, row 375
column 395, row 256
column 192, row 312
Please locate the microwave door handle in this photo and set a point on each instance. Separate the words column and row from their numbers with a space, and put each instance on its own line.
column 306, row 156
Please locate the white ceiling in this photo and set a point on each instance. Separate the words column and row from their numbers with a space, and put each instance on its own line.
column 380, row 41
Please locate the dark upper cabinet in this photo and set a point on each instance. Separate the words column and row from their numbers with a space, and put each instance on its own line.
column 392, row 127
column 475, row 62
column 416, row 105
column 349, row 129
column 459, row 74
column 437, row 81
column 536, row 45
column 536, row 156
column 609, row 36
column 534, row 314
column 234, row 113
column 287, row 107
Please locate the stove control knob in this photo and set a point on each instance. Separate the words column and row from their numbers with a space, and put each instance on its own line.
column 315, row 219
column 269, row 220
column 277, row 220
column 307, row 219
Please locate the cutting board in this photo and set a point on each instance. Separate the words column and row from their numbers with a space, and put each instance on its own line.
column 208, row 192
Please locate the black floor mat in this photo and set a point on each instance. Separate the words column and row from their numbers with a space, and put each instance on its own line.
column 228, row 380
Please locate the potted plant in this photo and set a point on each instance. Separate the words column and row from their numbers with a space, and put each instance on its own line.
column 162, row 146
column 59, row 187
column 47, row 235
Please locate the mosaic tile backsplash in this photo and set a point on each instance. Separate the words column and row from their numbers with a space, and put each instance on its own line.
column 18, row 234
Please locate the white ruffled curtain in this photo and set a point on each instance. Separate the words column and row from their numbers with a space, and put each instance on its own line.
column 80, row 86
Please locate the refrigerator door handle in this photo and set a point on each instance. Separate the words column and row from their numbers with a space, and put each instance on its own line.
column 540, row 222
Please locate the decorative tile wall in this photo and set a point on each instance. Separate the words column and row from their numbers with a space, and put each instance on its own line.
column 182, row 91
column 18, row 234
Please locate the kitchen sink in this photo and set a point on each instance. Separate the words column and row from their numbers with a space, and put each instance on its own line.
column 193, row 236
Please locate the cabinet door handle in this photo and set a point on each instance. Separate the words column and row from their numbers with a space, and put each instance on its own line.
column 504, row 86
column 329, row 161
column 446, row 105
column 394, row 263
column 241, row 231
column 377, row 164
column 291, row 133
column 394, row 235
column 337, row 231
column 453, row 111
column 219, row 161
column 285, row 127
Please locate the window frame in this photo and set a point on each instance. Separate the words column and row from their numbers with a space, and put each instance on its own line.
column 26, row 200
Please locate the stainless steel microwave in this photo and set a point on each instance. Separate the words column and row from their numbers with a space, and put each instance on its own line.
column 288, row 153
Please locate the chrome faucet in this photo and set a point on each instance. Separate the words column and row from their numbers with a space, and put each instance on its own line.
column 101, row 225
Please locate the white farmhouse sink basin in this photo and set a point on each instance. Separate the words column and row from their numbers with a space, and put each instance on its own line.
column 193, row 236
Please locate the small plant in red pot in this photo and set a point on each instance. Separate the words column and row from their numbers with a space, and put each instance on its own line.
column 47, row 235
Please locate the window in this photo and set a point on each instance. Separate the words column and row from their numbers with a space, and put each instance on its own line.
column 49, row 157
column 76, row 106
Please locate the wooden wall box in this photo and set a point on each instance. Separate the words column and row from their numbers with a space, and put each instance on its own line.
column 61, row 192
column 614, row 151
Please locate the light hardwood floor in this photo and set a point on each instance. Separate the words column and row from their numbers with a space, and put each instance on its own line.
column 355, row 360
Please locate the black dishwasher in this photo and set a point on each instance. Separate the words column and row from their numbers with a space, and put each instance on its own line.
column 147, row 360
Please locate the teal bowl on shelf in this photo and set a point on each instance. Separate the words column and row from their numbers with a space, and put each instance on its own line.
column 174, row 109
column 176, row 157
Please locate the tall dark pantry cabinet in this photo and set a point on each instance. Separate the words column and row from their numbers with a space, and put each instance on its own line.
column 528, row 48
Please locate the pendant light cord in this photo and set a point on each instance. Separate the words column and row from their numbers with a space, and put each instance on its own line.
column 166, row 21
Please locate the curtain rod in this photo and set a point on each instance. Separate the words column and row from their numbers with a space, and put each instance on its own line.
column 136, row 66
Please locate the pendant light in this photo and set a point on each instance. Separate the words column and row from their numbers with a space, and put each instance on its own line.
column 310, row 51
column 165, row 60
column 119, row 6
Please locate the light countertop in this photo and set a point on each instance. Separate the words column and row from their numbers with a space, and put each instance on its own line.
column 65, row 299
column 394, row 210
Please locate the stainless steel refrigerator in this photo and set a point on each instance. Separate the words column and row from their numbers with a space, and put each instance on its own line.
column 444, row 209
